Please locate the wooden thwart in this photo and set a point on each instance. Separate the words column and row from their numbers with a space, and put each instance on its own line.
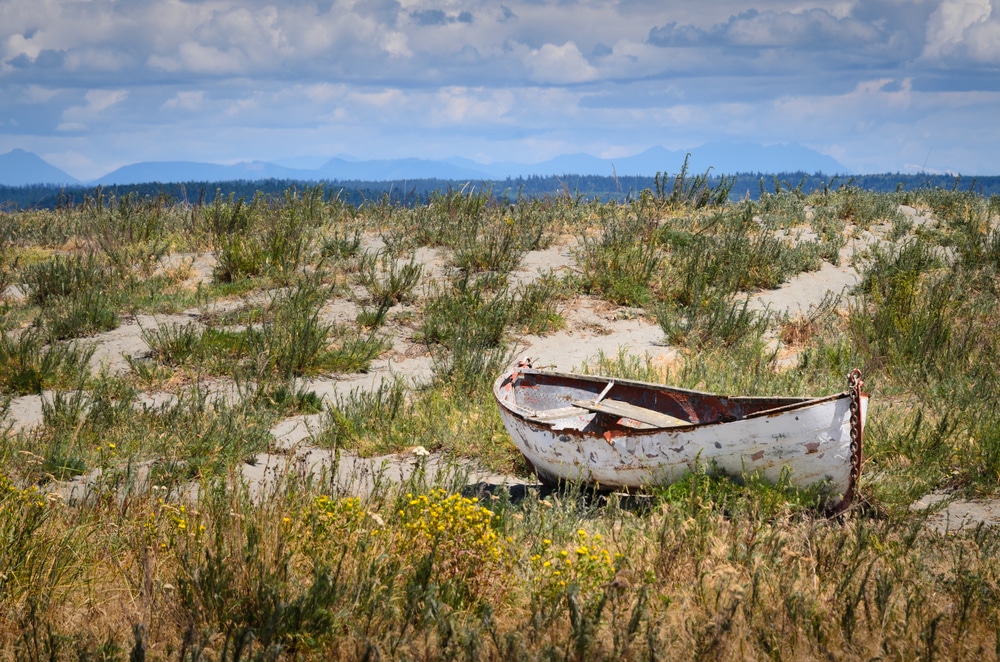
column 634, row 412
column 547, row 415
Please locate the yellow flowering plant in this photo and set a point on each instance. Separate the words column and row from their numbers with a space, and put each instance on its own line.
column 331, row 518
column 585, row 567
column 28, row 551
column 183, row 524
column 459, row 533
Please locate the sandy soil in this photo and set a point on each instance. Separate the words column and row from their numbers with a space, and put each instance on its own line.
column 592, row 327
column 947, row 513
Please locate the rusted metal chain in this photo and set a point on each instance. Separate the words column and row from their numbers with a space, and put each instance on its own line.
column 855, row 383
column 854, row 390
column 854, row 387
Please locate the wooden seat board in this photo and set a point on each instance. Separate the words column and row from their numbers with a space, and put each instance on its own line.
column 634, row 412
column 546, row 415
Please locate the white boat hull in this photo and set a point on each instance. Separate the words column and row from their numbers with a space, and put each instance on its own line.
column 810, row 438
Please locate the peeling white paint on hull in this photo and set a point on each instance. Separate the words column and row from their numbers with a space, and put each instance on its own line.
column 569, row 428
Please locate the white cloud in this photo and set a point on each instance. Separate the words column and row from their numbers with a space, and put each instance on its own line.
column 396, row 44
column 242, row 106
column 98, row 100
column 460, row 105
column 815, row 28
column 384, row 99
column 39, row 94
column 983, row 41
column 16, row 45
column 947, row 26
column 559, row 64
column 883, row 98
column 96, row 59
column 323, row 92
column 194, row 57
column 186, row 100
column 315, row 37
column 464, row 76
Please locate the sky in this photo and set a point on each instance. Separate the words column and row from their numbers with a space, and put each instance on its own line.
column 880, row 85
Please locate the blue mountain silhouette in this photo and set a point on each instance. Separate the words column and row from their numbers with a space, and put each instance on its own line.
column 20, row 167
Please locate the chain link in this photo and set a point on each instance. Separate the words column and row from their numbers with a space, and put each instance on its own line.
column 855, row 384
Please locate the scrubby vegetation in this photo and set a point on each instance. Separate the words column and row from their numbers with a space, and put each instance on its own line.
column 166, row 550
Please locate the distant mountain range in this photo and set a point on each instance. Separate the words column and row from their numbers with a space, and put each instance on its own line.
column 19, row 167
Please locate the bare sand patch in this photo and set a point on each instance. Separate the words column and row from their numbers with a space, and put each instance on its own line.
column 947, row 513
column 593, row 327
column 111, row 347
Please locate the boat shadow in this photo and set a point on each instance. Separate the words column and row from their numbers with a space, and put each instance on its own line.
column 518, row 494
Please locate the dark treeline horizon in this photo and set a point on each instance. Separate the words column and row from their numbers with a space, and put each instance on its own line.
column 420, row 191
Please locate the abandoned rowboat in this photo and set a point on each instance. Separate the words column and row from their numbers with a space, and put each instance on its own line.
column 617, row 433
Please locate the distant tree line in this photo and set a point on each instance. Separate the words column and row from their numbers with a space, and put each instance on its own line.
column 419, row 191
